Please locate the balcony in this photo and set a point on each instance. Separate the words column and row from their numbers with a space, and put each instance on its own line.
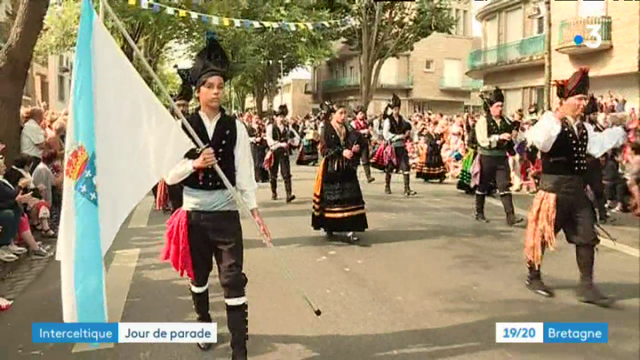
column 354, row 83
column 460, row 84
column 584, row 27
column 514, row 54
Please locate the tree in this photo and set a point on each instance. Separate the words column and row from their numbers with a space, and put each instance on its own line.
column 15, row 60
column 387, row 29
column 260, row 55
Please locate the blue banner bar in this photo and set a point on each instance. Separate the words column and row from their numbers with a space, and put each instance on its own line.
column 565, row 333
column 74, row 332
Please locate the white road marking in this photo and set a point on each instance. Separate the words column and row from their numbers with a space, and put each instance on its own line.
column 118, row 282
column 604, row 242
column 140, row 217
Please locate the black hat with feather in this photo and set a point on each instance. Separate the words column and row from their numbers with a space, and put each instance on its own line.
column 282, row 111
column 210, row 61
column 395, row 101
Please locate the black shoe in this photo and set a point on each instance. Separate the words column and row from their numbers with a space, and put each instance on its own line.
column 589, row 294
column 387, row 190
column 514, row 220
column 274, row 196
column 290, row 198
column 538, row 287
column 481, row 218
column 370, row 180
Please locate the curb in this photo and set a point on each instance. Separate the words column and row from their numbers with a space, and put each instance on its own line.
column 18, row 275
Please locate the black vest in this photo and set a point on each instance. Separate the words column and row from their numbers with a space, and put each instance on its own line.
column 505, row 127
column 280, row 136
column 568, row 155
column 398, row 127
column 223, row 143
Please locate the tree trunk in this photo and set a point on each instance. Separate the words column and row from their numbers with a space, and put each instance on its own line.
column 259, row 98
column 15, row 60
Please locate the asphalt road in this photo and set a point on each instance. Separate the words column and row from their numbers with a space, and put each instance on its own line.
column 426, row 282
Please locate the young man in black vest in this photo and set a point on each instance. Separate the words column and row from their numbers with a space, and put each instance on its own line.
column 280, row 138
column 494, row 135
column 562, row 203
column 212, row 216
column 396, row 131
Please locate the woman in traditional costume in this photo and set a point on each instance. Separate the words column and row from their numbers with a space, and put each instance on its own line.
column 431, row 166
column 308, row 155
column 338, row 205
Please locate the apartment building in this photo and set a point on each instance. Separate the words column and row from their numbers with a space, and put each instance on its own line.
column 513, row 39
column 429, row 78
column 295, row 93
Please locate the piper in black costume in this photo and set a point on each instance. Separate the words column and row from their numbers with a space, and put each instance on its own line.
column 280, row 137
column 396, row 132
column 562, row 203
column 493, row 133
column 361, row 125
column 208, row 225
column 338, row 205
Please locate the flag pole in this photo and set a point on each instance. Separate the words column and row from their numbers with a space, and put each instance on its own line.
column 178, row 112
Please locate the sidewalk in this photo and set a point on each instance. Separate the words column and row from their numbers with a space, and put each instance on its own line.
column 17, row 275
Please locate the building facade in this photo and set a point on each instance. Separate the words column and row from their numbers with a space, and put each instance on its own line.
column 429, row 78
column 513, row 45
column 295, row 93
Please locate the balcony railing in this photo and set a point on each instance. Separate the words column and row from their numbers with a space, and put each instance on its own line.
column 460, row 83
column 584, row 27
column 514, row 52
column 348, row 82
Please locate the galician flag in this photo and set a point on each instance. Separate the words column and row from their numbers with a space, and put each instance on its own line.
column 120, row 142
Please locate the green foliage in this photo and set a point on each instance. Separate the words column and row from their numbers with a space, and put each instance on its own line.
column 387, row 29
column 60, row 30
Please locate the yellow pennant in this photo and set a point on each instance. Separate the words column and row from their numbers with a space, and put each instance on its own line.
column 225, row 21
column 182, row 13
column 132, row 2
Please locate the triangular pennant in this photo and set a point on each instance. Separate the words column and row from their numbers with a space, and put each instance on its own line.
column 215, row 20
column 237, row 23
column 309, row 26
column 257, row 24
column 182, row 13
column 171, row 11
column 195, row 16
column 225, row 21
column 204, row 18
column 132, row 2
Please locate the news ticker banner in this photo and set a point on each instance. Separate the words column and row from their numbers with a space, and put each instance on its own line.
column 93, row 333
column 552, row 333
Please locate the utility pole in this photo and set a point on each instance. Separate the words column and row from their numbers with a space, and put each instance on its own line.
column 547, row 55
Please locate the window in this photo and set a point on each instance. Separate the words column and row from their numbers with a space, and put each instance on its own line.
column 61, row 92
column 514, row 25
column 429, row 65
column 592, row 8
column 465, row 21
column 351, row 72
column 453, row 72
column 457, row 16
column 539, row 25
column 512, row 101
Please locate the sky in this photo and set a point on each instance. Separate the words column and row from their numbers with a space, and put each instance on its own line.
column 477, row 27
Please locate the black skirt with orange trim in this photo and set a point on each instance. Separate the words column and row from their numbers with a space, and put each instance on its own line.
column 338, row 205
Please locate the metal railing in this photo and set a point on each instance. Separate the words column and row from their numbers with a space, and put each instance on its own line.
column 462, row 83
column 347, row 82
column 507, row 53
column 569, row 29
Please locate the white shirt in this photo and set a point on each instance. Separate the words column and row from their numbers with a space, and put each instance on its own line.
column 220, row 200
column 544, row 133
column 32, row 135
column 273, row 145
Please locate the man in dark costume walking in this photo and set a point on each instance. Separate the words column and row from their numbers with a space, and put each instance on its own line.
column 208, row 225
column 493, row 133
column 396, row 132
column 594, row 167
column 561, row 203
column 279, row 139
column 361, row 125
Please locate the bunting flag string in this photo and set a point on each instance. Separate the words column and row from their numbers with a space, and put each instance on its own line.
column 239, row 23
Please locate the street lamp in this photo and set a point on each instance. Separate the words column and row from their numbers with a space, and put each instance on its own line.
column 536, row 13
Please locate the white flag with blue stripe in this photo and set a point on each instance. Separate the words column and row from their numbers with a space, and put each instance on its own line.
column 120, row 142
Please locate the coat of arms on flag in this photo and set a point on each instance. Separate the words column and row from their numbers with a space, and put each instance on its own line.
column 81, row 168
